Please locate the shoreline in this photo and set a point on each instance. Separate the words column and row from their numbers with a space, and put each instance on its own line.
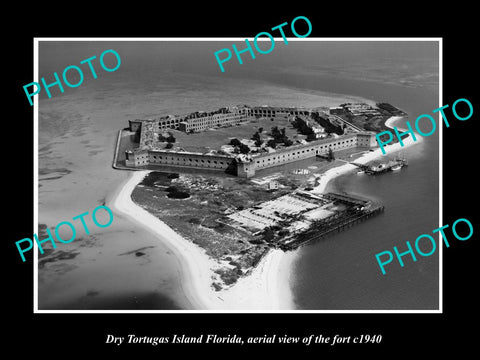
column 267, row 286
column 259, row 290
column 191, row 258
column 365, row 158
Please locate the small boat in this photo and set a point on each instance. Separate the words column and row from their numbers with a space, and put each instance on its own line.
column 396, row 167
column 360, row 172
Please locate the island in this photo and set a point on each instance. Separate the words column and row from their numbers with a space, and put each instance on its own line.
column 242, row 180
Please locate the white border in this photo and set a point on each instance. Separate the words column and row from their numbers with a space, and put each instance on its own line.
column 35, row 181
column 35, row 178
column 440, row 175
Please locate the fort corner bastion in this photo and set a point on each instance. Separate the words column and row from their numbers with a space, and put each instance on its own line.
column 144, row 145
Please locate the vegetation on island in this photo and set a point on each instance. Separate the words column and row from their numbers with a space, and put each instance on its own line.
column 371, row 118
column 192, row 206
column 195, row 205
column 170, row 138
column 330, row 156
column 303, row 128
column 239, row 146
column 279, row 137
column 177, row 193
column 327, row 125
column 390, row 110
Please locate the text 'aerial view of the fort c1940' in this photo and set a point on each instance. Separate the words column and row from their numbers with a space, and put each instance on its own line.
column 241, row 180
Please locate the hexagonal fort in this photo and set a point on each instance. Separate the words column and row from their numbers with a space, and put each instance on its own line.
column 223, row 140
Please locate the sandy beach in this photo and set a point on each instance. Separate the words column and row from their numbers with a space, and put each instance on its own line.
column 194, row 262
column 260, row 290
column 139, row 263
column 266, row 288
column 174, row 271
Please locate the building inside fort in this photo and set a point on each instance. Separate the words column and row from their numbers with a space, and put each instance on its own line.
column 243, row 165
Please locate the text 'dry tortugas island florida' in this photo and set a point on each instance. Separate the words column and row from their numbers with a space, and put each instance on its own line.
column 262, row 188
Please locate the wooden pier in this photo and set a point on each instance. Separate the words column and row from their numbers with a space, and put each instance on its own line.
column 336, row 225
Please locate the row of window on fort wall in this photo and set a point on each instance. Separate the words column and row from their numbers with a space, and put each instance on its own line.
column 303, row 152
column 172, row 158
column 195, row 123
column 261, row 161
column 215, row 120
column 206, row 161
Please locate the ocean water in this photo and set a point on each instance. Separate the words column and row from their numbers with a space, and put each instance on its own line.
column 77, row 133
column 341, row 272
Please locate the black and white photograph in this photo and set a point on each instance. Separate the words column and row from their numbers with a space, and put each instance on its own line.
column 260, row 188
column 238, row 181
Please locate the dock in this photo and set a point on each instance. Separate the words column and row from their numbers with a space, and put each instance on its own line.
column 335, row 225
column 377, row 168
column 359, row 210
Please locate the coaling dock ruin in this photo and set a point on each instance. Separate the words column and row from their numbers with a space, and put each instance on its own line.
column 300, row 217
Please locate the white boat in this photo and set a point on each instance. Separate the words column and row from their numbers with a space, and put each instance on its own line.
column 360, row 172
column 396, row 167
